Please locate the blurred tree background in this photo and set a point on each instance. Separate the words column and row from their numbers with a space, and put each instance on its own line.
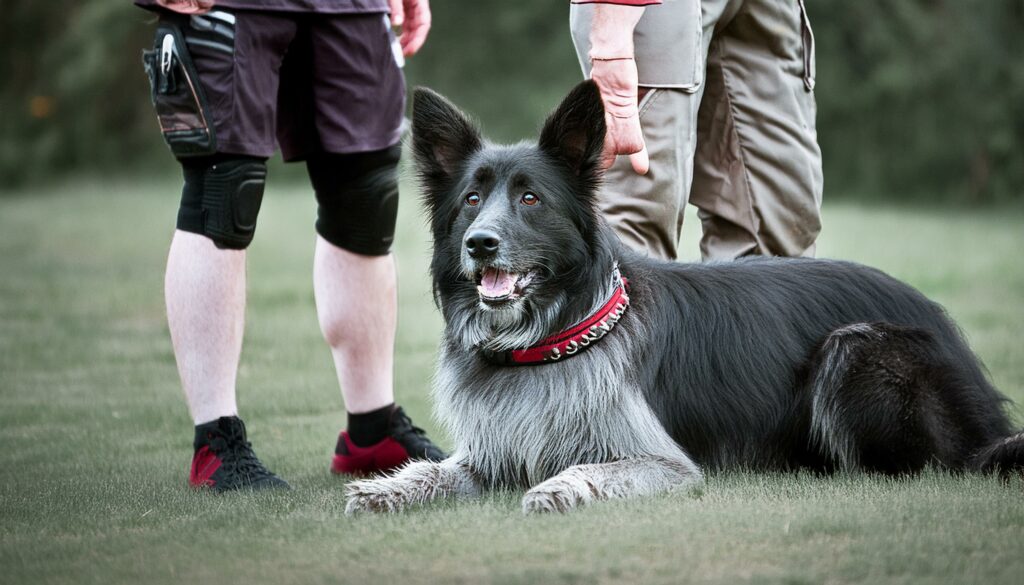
column 917, row 99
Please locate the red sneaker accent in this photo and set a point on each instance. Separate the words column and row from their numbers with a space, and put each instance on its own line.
column 204, row 464
column 381, row 456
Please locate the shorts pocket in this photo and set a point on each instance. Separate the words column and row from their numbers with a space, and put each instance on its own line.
column 181, row 105
column 807, row 36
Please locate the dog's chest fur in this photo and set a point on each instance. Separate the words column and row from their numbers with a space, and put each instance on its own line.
column 517, row 426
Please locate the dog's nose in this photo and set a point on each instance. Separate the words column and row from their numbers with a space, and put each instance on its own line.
column 482, row 243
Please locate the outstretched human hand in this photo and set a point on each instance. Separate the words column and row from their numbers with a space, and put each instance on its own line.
column 187, row 6
column 413, row 16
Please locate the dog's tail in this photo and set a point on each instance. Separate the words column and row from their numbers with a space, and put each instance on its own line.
column 1005, row 456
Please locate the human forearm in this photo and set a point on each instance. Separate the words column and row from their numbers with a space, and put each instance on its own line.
column 611, row 33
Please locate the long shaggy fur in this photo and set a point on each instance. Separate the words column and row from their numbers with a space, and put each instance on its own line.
column 761, row 363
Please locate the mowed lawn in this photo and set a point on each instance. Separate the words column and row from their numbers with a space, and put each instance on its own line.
column 95, row 439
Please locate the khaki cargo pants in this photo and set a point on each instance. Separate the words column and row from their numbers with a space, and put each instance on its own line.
column 728, row 117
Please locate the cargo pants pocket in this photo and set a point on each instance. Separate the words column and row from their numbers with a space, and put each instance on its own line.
column 668, row 43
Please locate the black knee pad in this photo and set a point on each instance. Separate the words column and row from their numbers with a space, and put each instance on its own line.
column 222, row 198
column 358, row 199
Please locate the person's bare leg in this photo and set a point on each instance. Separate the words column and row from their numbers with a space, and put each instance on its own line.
column 356, row 301
column 204, row 288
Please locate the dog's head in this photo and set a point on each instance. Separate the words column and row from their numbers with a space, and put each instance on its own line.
column 515, row 228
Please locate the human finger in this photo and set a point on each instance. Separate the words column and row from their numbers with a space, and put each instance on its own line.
column 641, row 161
column 417, row 25
column 397, row 12
column 625, row 137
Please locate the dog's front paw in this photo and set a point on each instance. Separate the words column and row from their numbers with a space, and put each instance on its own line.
column 372, row 495
column 554, row 496
column 537, row 502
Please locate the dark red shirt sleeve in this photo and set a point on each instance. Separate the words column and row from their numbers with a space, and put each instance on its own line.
column 621, row 2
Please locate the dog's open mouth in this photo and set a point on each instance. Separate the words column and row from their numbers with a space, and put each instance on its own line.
column 497, row 287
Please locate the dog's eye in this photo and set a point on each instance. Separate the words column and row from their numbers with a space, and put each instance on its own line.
column 530, row 199
column 473, row 199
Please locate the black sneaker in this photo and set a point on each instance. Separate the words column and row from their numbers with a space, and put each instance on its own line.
column 405, row 441
column 224, row 459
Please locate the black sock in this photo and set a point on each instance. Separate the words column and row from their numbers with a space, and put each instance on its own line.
column 371, row 427
column 217, row 427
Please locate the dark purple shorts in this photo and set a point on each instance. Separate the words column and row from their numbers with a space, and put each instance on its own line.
column 309, row 82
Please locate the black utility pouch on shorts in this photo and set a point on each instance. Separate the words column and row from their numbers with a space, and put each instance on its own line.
column 178, row 97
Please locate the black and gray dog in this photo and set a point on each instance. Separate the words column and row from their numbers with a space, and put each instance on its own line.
column 581, row 371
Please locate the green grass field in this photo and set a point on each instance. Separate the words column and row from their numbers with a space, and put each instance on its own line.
column 95, row 440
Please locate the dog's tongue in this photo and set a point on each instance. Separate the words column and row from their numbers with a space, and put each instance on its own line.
column 497, row 283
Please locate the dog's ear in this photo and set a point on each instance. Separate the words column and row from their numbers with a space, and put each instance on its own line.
column 574, row 132
column 442, row 138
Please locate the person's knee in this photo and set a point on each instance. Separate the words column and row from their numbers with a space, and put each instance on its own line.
column 221, row 198
column 358, row 199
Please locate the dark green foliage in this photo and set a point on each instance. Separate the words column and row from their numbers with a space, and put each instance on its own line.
column 73, row 95
column 924, row 98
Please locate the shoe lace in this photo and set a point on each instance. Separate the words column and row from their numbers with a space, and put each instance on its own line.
column 238, row 456
column 409, row 434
